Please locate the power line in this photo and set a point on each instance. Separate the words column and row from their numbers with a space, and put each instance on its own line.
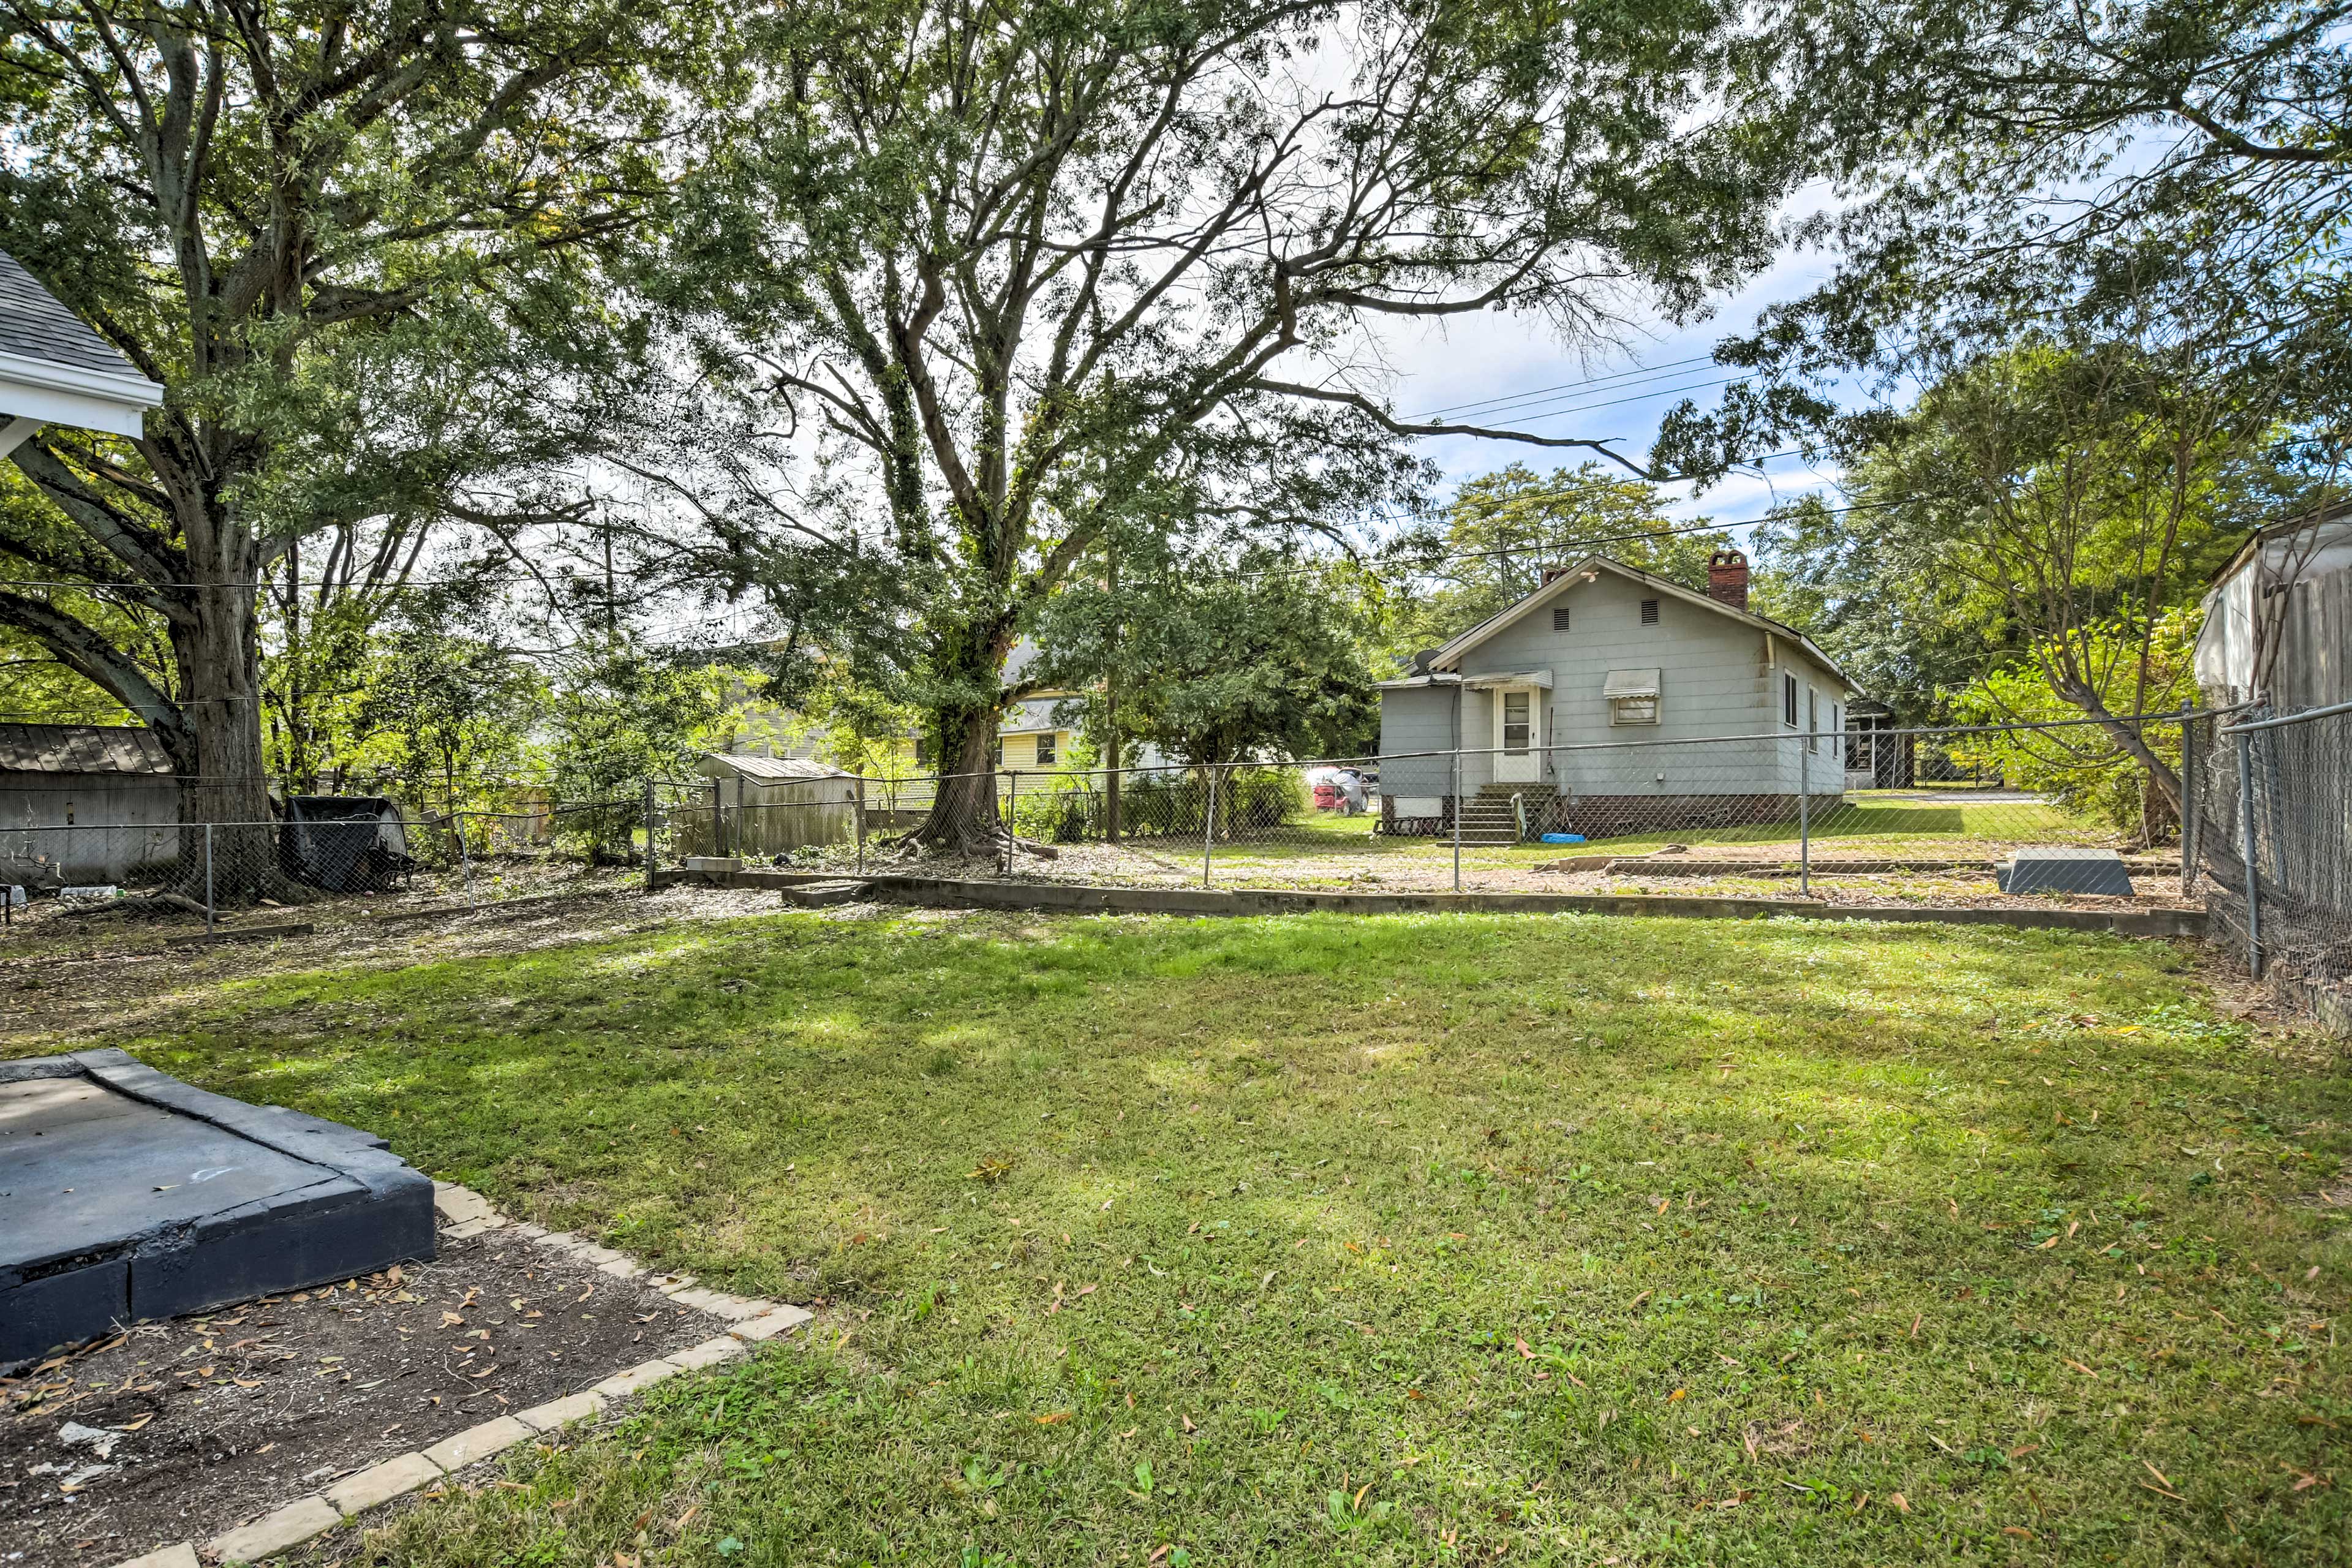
column 1506, row 398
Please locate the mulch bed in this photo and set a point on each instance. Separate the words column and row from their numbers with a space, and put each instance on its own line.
column 182, row 1428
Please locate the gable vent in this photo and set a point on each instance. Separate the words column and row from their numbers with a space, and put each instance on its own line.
column 1560, row 620
column 1649, row 612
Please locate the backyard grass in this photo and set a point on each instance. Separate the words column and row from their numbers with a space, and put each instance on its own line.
column 1440, row 1239
column 1866, row 825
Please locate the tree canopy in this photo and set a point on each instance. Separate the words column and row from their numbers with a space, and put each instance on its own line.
column 974, row 282
column 356, row 243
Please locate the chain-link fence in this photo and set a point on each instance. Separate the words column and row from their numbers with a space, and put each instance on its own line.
column 2272, row 842
column 141, row 859
column 1991, row 813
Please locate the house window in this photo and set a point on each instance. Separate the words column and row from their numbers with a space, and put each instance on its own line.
column 1812, row 720
column 1632, row 696
column 999, row 753
column 1649, row 612
column 1046, row 750
column 1789, row 700
column 1560, row 620
column 1517, row 720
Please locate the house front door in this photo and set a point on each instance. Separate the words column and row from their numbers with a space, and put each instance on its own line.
column 1518, row 718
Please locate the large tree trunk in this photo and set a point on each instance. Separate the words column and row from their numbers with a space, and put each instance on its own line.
column 215, row 645
column 963, row 818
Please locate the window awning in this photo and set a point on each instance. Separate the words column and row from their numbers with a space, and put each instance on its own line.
column 1630, row 683
column 1536, row 678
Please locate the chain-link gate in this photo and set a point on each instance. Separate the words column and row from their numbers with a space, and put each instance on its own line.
column 2272, row 844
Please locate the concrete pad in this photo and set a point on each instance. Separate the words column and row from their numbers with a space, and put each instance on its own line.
column 767, row 1325
column 635, row 1379
column 2066, row 870
column 563, row 1412
column 476, row 1443
column 622, row 1269
column 471, row 1227
column 381, row 1483
column 709, row 1353
column 135, row 1196
column 179, row 1554
column 295, row 1523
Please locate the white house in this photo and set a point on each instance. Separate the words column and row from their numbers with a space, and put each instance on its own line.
column 1562, row 700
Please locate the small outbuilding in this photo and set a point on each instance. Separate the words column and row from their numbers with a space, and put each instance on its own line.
column 83, row 804
column 770, row 805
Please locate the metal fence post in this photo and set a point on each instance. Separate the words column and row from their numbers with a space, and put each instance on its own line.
column 652, row 860
column 1209, row 826
column 2188, row 771
column 209, row 912
column 860, row 820
column 464, row 857
column 2246, row 844
column 717, row 820
column 1458, row 819
column 1804, row 820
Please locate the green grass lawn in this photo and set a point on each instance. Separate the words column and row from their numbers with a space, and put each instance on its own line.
column 1444, row 1240
column 1864, row 824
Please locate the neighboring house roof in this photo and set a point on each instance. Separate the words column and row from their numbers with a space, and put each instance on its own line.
column 770, row 770
column 54, row 368
column 1451, row 654
column 82, row 749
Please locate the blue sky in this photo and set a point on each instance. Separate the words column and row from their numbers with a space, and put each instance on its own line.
column 1628, row 389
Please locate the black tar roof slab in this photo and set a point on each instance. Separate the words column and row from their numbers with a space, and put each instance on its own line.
column 125, row 1194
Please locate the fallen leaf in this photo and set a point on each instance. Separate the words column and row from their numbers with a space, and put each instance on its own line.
column 1188, row 1424
column 2152, row 1470
column 1662, row 1203
column 134, row 1424
column 2017, row 1530
column 1896, row 1499
column 2086, row 1371
column 584, row 1295
column 2024, row 1449
column 452, row 1320
column 1525, row 1353
column 1054, row 1418
column 2046, row 1245
column 1677, row 1394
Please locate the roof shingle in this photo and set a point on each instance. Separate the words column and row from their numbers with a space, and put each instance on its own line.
column 36, row 323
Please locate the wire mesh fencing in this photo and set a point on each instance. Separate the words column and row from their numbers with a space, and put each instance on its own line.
column 2071, row 810
column 2272, row 844
column 141, row 859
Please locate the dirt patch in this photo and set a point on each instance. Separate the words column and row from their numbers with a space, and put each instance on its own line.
column 182, row 1428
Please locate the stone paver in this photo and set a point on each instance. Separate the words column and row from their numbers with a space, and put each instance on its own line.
column 637, row 1379
column 622, row 1269
column 381, row 1483
column 556, row 1413
column 274, row 1532
column 477, row 1443
column 179, row 1554
column 709, row 1353
column 719, row 1303
column 768, row 1324
column 460, row 1205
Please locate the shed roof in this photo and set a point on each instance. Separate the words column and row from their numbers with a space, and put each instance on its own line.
column 767, row 770
column 82, row 749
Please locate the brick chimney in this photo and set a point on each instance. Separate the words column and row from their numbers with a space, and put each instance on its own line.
column 1727, row 578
